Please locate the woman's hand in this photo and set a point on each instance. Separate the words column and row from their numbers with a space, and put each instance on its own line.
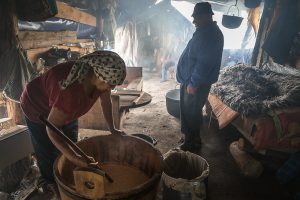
column 93, row 163
column 117, row 132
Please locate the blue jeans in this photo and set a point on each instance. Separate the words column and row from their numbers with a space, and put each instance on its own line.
column 45, row 151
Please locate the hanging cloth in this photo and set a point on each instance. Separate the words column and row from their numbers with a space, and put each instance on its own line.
column 36, row 10
column 15, row 72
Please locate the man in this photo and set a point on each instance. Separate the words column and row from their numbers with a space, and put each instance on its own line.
column 198, row 68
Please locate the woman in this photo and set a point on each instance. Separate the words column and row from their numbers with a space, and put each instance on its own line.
column 63, row 94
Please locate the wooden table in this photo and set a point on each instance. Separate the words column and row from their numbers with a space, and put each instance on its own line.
column 132, row 99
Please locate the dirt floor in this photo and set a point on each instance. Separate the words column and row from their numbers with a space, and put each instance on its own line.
column 225, row 181
column 153, row 119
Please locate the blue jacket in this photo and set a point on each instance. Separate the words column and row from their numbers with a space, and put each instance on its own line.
column 199, row 63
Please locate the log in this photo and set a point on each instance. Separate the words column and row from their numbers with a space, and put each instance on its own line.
column 6, row 123
column 249, row 167
column 15, row 112
column 74, row 14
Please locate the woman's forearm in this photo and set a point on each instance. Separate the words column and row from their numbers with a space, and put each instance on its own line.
column 66, row 149
column 58, row 118
column 106, row 105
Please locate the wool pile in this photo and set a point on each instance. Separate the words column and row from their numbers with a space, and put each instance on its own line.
column 253, row 91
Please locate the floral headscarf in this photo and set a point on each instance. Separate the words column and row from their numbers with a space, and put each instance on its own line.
column 108, row 66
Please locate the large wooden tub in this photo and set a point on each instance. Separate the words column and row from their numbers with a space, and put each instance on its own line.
column 140, row 168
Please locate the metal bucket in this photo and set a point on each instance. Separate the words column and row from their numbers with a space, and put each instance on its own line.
column 123, row 150
column 173, row 102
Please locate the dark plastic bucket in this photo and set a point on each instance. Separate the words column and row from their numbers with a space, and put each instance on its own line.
column 147, row 138
column 127, row 150
column 185, row 176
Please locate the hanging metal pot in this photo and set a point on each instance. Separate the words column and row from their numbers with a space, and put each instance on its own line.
column 232, row 21
column 252, row 3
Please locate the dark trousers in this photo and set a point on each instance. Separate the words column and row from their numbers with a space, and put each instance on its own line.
column 191, row 112
column 289, row 174
column 45, row 151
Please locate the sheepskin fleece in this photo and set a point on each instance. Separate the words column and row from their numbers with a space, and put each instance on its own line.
column 253, row 91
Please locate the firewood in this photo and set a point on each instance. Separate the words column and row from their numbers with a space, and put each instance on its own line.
column 247, row 164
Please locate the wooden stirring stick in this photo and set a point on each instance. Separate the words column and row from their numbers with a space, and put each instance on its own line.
column 73, row 145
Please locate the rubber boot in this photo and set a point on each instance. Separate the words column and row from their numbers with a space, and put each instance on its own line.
column 187, row 144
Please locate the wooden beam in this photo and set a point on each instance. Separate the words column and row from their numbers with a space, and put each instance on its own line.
column 33, row 40
column 70, row 13
column 37, row 35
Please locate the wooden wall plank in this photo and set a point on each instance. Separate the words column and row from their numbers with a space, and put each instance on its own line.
column 34, row 54
column 74, row 14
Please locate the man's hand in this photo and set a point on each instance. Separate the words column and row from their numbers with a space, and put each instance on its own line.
column 117, row 132
column 191, row 90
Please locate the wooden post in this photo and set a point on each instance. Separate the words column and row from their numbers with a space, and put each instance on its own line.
column 265, row 20
column 247, row 164
column 99, row 24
